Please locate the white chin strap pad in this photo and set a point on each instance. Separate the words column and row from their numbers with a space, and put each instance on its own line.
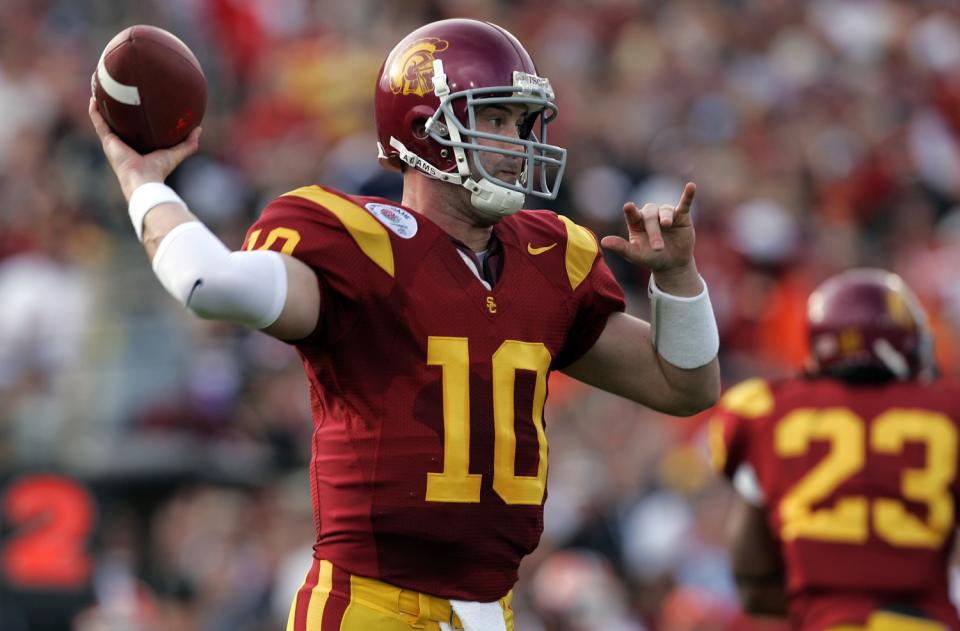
column 492, row 200
column 198, row 270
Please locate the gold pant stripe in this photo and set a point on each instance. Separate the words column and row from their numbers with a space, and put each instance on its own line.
column 890, row 621
column 315, row 603
column 381, row 606
column 318, row 597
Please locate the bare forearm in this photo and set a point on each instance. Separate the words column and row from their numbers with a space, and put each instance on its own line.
column 692, row 391
column 624, row 362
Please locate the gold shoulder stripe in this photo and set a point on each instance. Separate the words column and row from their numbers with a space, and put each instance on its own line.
column 370, row 235
column 750, row 399
column 582, row 251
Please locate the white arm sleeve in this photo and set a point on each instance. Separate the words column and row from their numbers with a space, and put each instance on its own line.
column 216, row 284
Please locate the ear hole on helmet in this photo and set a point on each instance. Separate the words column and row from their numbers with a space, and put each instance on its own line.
column 415, row 123
column 419, row 128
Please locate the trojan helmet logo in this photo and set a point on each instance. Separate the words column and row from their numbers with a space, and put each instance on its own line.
column 412, row 71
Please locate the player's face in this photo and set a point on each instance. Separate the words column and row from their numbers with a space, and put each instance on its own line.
column 503, row 120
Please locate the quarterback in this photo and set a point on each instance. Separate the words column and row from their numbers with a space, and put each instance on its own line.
column 848, row 475
column 428, row 328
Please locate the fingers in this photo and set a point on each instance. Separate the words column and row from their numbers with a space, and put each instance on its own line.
column 651, row 218
column 666, row 215
column 651, row 227
column 686, row 198
column 651, row 223
column 179, row 153
column 633, row 217
column 615, row 244
column 99, row 124
column 646, row 220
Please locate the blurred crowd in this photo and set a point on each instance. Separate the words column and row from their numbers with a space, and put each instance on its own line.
column 822, row 135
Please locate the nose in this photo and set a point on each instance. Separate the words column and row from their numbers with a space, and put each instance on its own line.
column 509, row 132
column 512, row 131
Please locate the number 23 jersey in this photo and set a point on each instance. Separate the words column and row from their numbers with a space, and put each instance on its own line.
column 859, row 484
column 429, row 457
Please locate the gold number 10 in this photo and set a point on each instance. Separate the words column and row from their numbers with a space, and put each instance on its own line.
column 455, row 483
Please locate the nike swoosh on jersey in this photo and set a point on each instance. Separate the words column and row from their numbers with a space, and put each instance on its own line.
column 535, row 251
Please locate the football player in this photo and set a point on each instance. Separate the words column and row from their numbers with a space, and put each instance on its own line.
column 428, row 328
column 847, row 476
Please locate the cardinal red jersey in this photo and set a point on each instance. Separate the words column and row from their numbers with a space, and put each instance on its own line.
column 429, row 457
column 860, row 486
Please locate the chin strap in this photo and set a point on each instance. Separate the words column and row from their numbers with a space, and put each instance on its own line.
column 491, row 200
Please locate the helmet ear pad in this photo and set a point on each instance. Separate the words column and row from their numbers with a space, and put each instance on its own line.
column 421, row 143
column 417, row 140
column 415, row 121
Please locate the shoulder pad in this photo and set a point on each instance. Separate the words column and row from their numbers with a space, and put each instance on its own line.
column 752, row 398
column 582, row 250
column 368, row 233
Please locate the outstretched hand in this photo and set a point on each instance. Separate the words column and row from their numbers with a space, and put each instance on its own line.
column 133, row 169
column 660, row 237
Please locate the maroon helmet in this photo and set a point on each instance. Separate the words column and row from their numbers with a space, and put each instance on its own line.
column 868, row 318
column 428, row 91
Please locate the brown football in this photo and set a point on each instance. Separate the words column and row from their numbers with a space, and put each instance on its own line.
column 150, row 88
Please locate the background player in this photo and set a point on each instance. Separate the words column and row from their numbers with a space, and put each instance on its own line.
column 848, row 475
column 427, row 330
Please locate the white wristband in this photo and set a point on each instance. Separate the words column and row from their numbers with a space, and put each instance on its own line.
column 684, row 329
column 147, row 196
